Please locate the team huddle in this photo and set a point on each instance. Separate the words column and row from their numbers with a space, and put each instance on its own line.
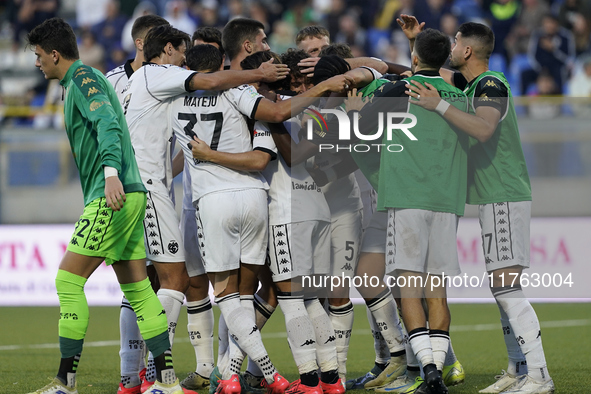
column 266, row 203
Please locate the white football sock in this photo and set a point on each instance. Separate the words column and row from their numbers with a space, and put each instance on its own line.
column 341, row 318
column 326, row 350
column 244, row 331
column 526, row 329
column 517, row 364
column 450, row 358
column 200, row 328
column 172, row 301
column 131, row 345
column 383, row 308
column 379, row 343
column 421, row 345
column 439, row 345
column 223, row 346
column 262, row 310
column 300, row 332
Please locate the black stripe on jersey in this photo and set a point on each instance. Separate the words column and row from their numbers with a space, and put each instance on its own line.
column 269, row 151
column 255, row 107
column 188, row 82
column 94, row 222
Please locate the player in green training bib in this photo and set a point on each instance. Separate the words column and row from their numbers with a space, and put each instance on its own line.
column 499, row 183
column 110, row 227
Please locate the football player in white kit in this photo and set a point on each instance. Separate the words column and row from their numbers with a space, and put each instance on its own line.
column 231, row 202
column 132, row 349
column 146, row 105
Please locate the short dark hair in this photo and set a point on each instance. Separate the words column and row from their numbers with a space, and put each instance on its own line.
column 432, row 48
column 237, row 31
column 482, row 34
column 329, row 66
column 144, row 23
column 340, row 49
column 316, row 31
column 55, row 34
column 209, row 35
column 254, row 61
column 159, row 36
column 291, row 58
column 204, row 58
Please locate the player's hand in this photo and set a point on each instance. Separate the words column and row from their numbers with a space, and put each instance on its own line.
column 273, row 72
column 307, row 66
column 406, row 74
column 425, row 96
column 410, row 26
column 114, row 193
column 339, row 83
column 201, row 151
column 355, row 101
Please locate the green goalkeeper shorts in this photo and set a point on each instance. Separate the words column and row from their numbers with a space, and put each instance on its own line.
column 114, row 235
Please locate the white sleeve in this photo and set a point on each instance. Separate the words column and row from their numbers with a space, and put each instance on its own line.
column 167, row 82
column 376, row 74
column 246, row 98
column 263, row 140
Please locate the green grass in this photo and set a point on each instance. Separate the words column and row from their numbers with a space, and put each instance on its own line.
column 482, row 353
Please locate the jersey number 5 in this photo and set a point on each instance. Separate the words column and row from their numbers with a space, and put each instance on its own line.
column 216, row 117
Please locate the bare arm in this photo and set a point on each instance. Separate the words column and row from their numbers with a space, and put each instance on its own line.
column 374, row 63
column 481, row 126
column 178, row 163
column 275, row 112
column 360, row 76
column 292, row 153
column 254, row 160
column 227, row 79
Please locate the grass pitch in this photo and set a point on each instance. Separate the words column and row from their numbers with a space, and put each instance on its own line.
column 29, row 353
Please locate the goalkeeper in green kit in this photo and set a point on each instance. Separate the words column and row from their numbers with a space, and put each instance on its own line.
column 111, row 226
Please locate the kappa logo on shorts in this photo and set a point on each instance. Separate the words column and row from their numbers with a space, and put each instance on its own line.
column 173, row 247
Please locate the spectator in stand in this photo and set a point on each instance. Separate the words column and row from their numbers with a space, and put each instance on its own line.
column 178, row 16
column 28, row 14
column 331, row 20
column 108, row 33
column 502, row 15
column 299, row 14
column 551, row 47
column 449, row 25
column 282, row 37
column 581, row 31
column 143, row 8
column 89, row 19
column 209, row 14
column 91, row 53
column 431, row 12
column 530, row 18
column 580, row 83
column 568, row 11
column 351, row 33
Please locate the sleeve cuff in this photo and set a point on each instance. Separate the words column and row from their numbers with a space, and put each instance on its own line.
column 255, row 107
column 188, row 82
column 269, row 151
column 110, row 171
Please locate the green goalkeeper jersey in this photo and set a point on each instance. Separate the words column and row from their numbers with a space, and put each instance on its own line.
column 97, row 131
column 369, row 162
column 496, row 168
column 430, row 173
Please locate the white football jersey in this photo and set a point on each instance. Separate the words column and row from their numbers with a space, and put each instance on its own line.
column 293, row 194
column 147, row 100
column 218, row 118
column 119, row 77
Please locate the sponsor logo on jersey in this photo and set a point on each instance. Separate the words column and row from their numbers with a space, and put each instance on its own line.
column 173, row 247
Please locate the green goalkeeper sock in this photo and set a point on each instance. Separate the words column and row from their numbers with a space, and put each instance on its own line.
column 151, row 317
column 73, row 312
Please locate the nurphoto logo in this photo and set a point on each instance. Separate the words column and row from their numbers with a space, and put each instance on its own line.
column 402, row 121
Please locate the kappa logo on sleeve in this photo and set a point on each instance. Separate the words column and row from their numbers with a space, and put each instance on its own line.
column 87, row 80
column 92, row 91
